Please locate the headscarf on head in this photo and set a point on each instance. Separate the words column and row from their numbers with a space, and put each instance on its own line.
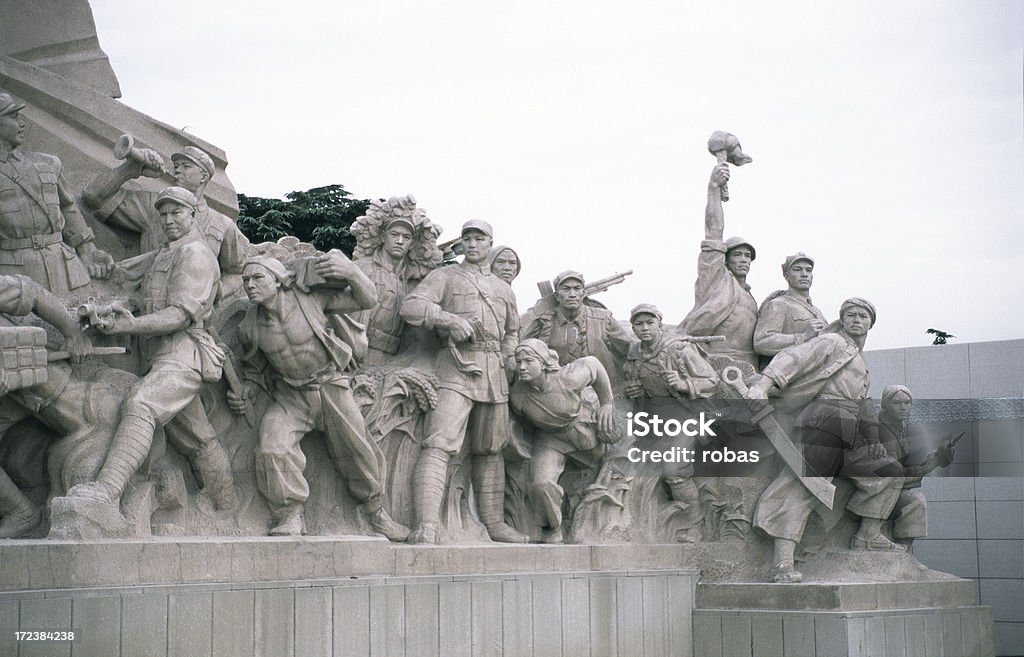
column 546, row 355
column 274, row 266
column 893, row 390
column 495, row 251
column 858, row 303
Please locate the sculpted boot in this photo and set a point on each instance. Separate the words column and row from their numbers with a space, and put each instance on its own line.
column 428, row 484
column 128, row 450
column 214, row 470
column 290, row 521
column 489, row 484
column 383, row 523
column 683, row 489
column 20, row 516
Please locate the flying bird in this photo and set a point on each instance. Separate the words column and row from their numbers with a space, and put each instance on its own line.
column 940, row 336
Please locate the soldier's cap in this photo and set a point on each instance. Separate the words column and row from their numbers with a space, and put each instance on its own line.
column 399, row 220
column 859, row 303
column 736, row 241
column 480, row 225
column 645, row 309
column 543, row 353
column 893, row 390
column 8, row 105
column 273, row 265
column 566, row 275
column 198, row 157
column 790, row 260
column 179, row 195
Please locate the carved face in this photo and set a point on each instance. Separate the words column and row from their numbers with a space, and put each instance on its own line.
column 856, row 321
column 738, row 260
column 897, row 407
column 800, row 275
column 397, row 241
column 176, row 219
column 259, row 284
column 12, row 130
column 569, row 294
column 530, row 367
column 475, row 245
column 506, row 266
column 187, row 174
column 646, row 327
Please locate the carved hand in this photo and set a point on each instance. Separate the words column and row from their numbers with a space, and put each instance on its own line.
column 99, row 263
column 79, row 346
column 719, row 175
column 605, row 423
column 675, row 381
column 334, row 265
column 460, row 329
column 153, row 164
column 634, row 390
column 238, row 403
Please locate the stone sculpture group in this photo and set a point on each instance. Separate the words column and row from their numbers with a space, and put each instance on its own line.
column 445, row 414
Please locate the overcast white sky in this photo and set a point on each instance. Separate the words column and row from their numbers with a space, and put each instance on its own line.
column 888, row 138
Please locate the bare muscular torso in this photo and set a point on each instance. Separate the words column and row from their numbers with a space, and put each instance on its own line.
column 288, row 341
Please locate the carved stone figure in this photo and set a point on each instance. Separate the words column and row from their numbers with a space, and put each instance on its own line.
column 20, row 296
column 42, row 234
column 575, row 329
column 293, row 353
column 570, row 409
column 788, row 317
column 665, row 375
column 476, row 313
column 723, row 304
column 505, row 263
column 178, row 290
column 397, row 246
column 134, row 209
column 909, row 517
column 828, row 379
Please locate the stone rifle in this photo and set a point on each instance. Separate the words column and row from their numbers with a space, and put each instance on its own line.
column 590, row 289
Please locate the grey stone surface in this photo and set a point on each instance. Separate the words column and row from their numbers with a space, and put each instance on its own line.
column 998, row 519
column 949, row 489
column 312, row 634
column 681, row 593
column 914, row 626
column 351, row 621
column 1000, row 441
column 603, row 628
column 8, row 626
column 797, row 635
column 547, row 617
column 895, row 636
column 575, row 614
column 999, row 488
column 487, row 605
column 629, row 599
column 234, row 624
column 1006, row 597
column 939, row 373
column 887, row 367
column 835, row 597
column 955, row 556
column 274, row 624
column 422, row 619
column 47, row 614
column 456, row 633
column 143, row 624
column 96, row 622
column 1008, row 637
column 387, row 621
column 736, row 636
column 990, row 376
column 766, row 634
column 1001, row 558
column 707, row 635
column 189, row 626
column 952, row 519
column 517, row 616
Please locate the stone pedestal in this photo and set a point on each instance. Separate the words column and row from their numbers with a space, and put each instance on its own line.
column 849, row 619
column 317, row 597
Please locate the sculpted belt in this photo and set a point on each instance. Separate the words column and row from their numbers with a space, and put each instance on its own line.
column 34, row 242
column 383, row 341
